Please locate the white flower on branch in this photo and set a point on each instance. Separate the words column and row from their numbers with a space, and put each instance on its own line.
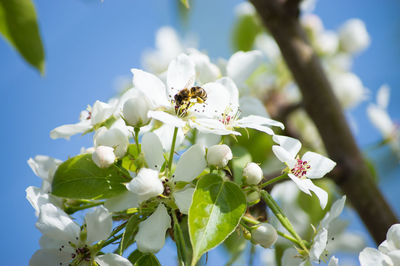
column 311, row 166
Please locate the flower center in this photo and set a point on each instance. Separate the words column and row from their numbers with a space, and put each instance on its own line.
column 227, row 117
column 300, row 169
column 78, row 254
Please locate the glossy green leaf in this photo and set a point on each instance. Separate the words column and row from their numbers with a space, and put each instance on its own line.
column 133, row 160
column 244, row 32
column 215, row 212
column 128, row 237
column 18, row 25
column 80, row 178
column 138, row 258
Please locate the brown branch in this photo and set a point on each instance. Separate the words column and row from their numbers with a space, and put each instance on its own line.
column 353, row 175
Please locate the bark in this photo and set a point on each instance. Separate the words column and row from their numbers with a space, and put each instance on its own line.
column 351, row 174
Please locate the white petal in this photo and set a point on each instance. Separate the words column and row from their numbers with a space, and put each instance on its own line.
column 111, row 259
column 66, row 131
column 56, row 224
column 191, row 164
column 122, row 202
column 211, row 126
column 264, row 129
column 291, row 257
column 373, row 257
column 113, row 137
column 153, row 150
column 242, row 64
column 151, row 86
column 205, row 70
column 283, row 155
column 232, row 90
column 302, row 184
column 393, row 235
column 259, row 120
column 333, row 261
column 382, row 98
column 291, row 145
column 36, row 198
column 167, row 118
column 334, row 212
column 207, row 140
column 50, row 257
column 252, row 106
column 218, row 99
column 395, row 256
column 319, row 165
column 151, row 234
column 99, row 224
column 165, row 134
column 146, row 184
column 181, row 74
column 44, row 166
column 319, row 192
column 319, row 244
column 100, row 112
column 381, row 120
column 183, row 199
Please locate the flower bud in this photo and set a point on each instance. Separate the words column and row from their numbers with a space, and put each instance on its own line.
column 146, row 184
column 219, row 155
column 265, row 235
column 116, row 136
column 253, row 197
column 354, row 36
column 103, row 156
column 252, row 173
column 135, row 111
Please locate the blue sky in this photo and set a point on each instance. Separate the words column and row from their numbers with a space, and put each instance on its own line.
column 90, row 44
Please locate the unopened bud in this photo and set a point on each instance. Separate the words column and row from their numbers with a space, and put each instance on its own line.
column 135, row 111
column 103, row 156
column 146, row 184
column 252, row 174
column 265, row 235
column 354, row 36
column 219, row 155
column 253, row 197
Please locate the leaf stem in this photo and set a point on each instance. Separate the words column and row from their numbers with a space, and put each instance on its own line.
column 273, row 180
column 282, row 218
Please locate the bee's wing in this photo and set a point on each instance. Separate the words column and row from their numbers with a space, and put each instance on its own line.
column 190, row 82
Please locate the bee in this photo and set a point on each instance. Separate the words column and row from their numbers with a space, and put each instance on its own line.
column 186, row 97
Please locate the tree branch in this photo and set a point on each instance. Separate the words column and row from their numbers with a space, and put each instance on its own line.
column 353, row 175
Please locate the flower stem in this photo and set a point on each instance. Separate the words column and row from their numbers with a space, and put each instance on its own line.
column 71, row 210
column 282, row 218
column 276, row 179
column 288, row 237
column 137, row 130
column 249, row 220
column 171, row 154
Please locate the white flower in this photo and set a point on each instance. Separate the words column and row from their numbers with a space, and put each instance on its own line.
column 103, row 156
column 354, row 36
column 252, row 173
column 151, row 234
column 219, row 155
column 348, row 88
column 88, row 118
column 166, row 101
column 264, row 234
column 327, row 42
column 245, row 9
column 146, row 184
column 388, row 253
column 205, row 70
column 135, row 109
column 116, row 137
column 226, row 115
column 61, row 243
column 311, row 165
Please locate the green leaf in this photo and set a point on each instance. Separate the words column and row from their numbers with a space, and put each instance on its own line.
column 215, row 212
column 128, row 238
column 18, row 25
column 133, row 160
column 80, row 178
column 138, row 258
column 185, row 3
column 244, row 32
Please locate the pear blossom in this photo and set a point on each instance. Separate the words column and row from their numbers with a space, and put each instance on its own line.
column 63, row 243
column 151, row 233
column 88, row 119
column 116, row 137
column 219, row 155
column 348, row 88
column 264, row 234
column 146, row 184
column 354, row 36
column 388, row 252
column 311, row 166
column 135, row 109
column 163, row 99
column 103, row 156
column 252, row 173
